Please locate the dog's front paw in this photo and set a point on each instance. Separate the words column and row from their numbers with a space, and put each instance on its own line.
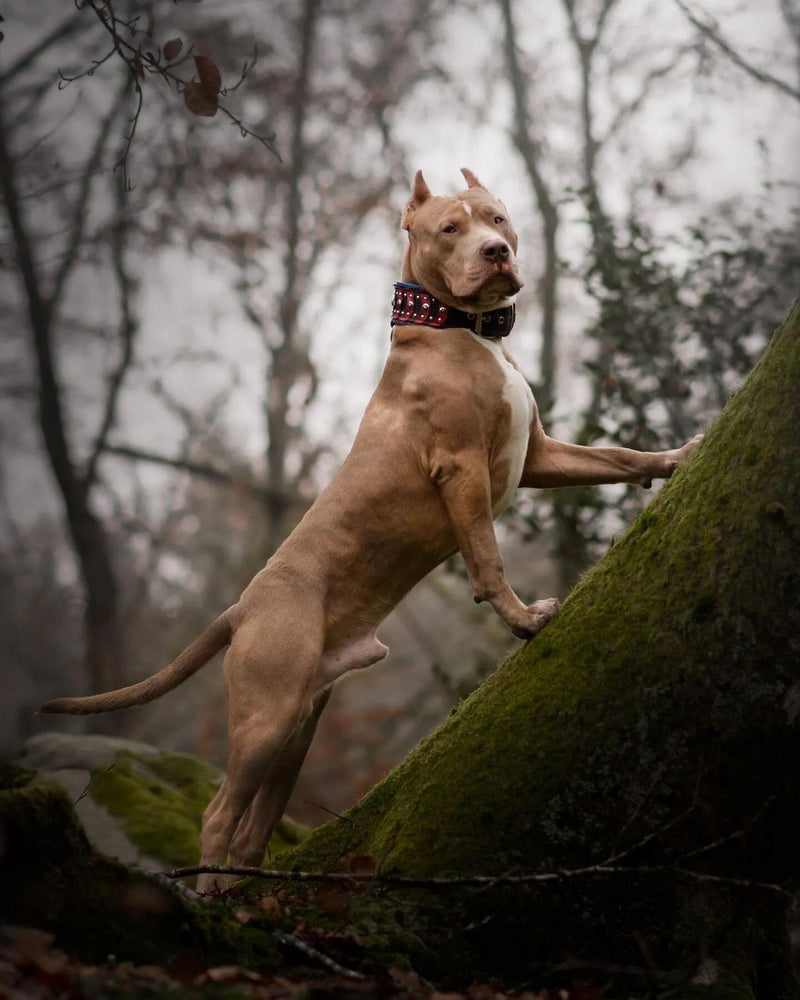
column 689, row 447
column 670, row 460
column 538, row 614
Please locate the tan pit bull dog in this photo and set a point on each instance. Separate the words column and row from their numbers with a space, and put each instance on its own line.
column 450, row 433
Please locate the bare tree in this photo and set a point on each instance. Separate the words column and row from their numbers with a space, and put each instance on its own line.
column 529, row 145
column 46, row 285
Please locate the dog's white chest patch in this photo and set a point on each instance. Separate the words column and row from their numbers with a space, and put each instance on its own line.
column 517, row 393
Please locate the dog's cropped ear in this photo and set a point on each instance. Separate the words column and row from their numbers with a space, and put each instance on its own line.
column 471, row 179
column 420, row 192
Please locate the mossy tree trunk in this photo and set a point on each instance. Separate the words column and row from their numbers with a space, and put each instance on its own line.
column 654, row 722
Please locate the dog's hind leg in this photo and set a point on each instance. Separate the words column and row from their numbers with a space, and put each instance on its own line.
column 269, row 673
column 252, row 835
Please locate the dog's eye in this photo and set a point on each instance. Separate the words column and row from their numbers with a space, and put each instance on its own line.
column 498, row 219
column 449, row 229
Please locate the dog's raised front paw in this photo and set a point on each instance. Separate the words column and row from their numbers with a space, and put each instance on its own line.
column 538, row 614
column 670, row 460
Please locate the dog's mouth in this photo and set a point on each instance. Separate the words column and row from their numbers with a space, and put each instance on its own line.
column 511, row 274
column 492, row 288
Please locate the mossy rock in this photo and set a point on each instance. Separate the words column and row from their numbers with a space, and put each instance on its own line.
column 55, row 880
column 138, row 804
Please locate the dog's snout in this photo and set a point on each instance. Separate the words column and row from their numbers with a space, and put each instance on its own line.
column 496, row 250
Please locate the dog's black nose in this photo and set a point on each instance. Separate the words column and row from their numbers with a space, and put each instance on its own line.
column 496, row 250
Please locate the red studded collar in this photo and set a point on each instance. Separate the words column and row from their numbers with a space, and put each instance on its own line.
column 412, row 305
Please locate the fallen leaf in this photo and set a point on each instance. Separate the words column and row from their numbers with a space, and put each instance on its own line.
column 154, row 973
column 271, row 906
column 146, row 898
column 230, row 974
column 334, row 901
column 358, row 863
column 32, row 947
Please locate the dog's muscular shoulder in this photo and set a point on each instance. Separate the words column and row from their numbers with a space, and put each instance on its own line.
column 455, row 393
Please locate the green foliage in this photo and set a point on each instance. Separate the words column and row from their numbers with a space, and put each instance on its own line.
column 676, row 328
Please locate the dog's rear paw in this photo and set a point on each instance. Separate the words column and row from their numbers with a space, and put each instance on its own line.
column 539, row 614
column 209, row 884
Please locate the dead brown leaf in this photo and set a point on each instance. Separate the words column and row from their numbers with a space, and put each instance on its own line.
column 172, row 49
column 229, row 974
column 199, row 101
column 153, row 973
column 358, row 864
column 209, row 73
column 203, row 98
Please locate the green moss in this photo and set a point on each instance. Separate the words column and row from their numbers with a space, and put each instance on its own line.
column 160, row 802
column 53, row 879
column 160, row 819
column 13, row 776
column 194, row 778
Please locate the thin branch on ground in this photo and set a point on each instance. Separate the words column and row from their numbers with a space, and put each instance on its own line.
column 480, row 881
column 94, row 776
column 729, row 838
column 316, row 956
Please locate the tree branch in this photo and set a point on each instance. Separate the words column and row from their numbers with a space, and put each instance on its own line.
column 127, row 332
column 51, row 416
column 480, row 881
column 139, row 63
column 530, row 149
column 708, row 30
column 68, row 27
column 79, row 212
column 207, row 472
column 293, row 941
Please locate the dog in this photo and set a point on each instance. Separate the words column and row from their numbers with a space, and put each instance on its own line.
column 450, row 433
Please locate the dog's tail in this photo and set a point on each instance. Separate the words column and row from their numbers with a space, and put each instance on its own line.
column 196, row 655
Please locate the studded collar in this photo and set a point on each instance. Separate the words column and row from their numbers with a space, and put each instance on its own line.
column 412, row 305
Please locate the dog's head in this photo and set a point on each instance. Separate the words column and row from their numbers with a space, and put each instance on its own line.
column 462, row 249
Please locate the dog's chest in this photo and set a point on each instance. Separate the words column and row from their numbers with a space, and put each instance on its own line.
column 517, row 395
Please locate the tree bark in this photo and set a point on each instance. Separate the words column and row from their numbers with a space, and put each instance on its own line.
column 87, row 534
column 652, row 727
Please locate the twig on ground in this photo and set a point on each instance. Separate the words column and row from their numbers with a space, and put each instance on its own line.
column 95, row 775
column 316, row 956
column 478, row 881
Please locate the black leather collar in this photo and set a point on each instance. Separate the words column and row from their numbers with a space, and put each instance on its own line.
column 414, row 306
